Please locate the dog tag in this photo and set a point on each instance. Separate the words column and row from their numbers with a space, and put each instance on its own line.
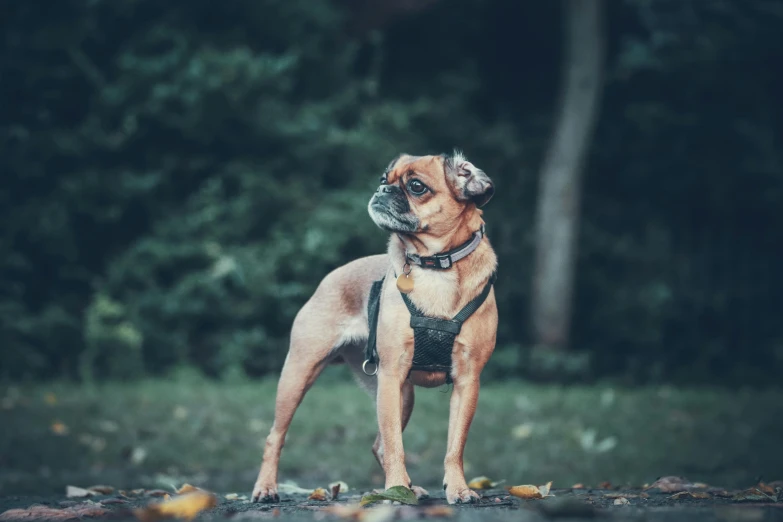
column 405, row 283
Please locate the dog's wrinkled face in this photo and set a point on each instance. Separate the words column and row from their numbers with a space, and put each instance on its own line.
column 426, row 194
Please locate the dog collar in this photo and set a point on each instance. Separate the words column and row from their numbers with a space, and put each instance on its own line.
column 447, row 259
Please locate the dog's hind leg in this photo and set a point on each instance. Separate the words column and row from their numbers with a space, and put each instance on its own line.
column 312, row 347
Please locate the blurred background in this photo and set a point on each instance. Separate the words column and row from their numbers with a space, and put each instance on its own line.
column 177, row 177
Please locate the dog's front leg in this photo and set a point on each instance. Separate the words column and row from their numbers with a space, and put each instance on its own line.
column 464, row 398
column 389, row 405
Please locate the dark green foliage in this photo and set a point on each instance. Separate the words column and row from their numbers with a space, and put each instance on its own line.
column 177, row 177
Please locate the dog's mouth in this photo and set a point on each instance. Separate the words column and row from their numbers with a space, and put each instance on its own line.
column 390, row 221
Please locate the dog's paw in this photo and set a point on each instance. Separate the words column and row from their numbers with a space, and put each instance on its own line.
column 420, row 492
column 461, row 496
column 265, row 494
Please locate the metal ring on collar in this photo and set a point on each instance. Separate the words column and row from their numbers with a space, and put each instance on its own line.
column 364, row 367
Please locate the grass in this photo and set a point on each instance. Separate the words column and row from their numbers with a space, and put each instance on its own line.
column 157, row 433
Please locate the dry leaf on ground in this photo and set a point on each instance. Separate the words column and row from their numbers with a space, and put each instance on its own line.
column 77, row 492
column 334, row 489
column 38, row 512
column 622, row 501
column 483, row 483
column 187, row 488
column 318, row 494
column 186, row 506
column 754, row 495
column 102, row 490
column 691, row 495
column 530, row 492
column 605, row 485
column 672, row 484
column 156, row 493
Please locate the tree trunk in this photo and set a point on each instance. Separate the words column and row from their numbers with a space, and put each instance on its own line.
column 557, row 214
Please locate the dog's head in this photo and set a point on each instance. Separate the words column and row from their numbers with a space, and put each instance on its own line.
column 428, row 194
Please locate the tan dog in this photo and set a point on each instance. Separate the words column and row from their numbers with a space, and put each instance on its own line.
column 430, row 205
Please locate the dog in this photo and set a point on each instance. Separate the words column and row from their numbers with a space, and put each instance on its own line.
column 443, row 265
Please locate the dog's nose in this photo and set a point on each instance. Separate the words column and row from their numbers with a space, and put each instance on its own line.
column 385, row 189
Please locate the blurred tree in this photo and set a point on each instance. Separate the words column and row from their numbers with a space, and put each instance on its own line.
column 557, row 214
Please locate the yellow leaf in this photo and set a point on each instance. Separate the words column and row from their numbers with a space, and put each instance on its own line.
column 530, row 492
column 526, row 492
column 318, row 494
column 480, row 483
column 186, row 506
column 232, row 496
column 483, row 483
column 58, row 428
column 187, row 488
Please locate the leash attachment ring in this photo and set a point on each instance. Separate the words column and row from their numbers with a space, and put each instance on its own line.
column 364, row 367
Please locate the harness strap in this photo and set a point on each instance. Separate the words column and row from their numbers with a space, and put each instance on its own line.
column 449, row 328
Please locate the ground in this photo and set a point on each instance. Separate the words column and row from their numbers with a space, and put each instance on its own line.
column 161, row 434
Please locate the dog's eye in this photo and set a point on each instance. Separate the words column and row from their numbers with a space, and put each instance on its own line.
column 416, row 187
column 383, row 180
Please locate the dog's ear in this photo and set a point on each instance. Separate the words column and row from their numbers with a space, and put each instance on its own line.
column 470, row 182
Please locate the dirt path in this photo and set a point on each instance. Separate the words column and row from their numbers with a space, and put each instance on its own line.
column 495, row 505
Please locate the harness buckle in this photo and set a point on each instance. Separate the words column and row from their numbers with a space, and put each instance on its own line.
column 364, row 367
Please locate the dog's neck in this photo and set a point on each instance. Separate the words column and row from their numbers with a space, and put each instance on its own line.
column 446, row 291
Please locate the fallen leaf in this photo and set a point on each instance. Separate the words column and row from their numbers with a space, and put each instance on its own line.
column 102, row 490
column 483, row 483
column 605, row 485
column 690, row 494
column 721, row 493
column 58, row 428
column 622, row 501
column 187, row 488
column 110, row 501
column 399, row 494
column 38, row 512
column 578, row 486
column 156, row 493
column 318, row 494
column 343, row 486
column 334, row 489
column 232, row 496
column 754, row 495
column 530, row 492
column 438, row 511
column 186, row 506
column 672, row 484
column 773, row 488
column 76, row 492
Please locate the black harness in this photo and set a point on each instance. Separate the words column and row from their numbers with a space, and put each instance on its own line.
column 433, row 338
